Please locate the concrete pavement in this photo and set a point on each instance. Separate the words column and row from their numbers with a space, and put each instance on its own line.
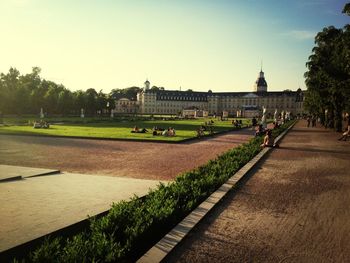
column 292, row 207
column 35, row 206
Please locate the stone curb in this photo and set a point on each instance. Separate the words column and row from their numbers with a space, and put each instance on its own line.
column 160, row 250
column 21, row 177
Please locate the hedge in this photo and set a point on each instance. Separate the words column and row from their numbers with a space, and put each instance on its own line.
column 131, row 228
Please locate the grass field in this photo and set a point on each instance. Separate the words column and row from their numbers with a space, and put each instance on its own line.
column 185, row 129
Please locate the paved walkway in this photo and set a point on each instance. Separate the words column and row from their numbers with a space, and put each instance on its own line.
column 157, row 161
column 35, row 206
column 294, row 207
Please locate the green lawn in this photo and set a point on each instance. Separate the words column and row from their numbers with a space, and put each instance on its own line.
column 122, row 129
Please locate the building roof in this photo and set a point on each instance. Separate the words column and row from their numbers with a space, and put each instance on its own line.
column 261, row 82
column 203, row 96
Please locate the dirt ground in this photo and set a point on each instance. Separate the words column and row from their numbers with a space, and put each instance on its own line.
column 158, row 161
column 294, row 207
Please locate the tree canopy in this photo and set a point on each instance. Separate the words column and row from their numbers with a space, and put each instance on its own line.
column 328, row 75
column 27, row 94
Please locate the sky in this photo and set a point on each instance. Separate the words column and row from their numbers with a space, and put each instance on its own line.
column 192, row 44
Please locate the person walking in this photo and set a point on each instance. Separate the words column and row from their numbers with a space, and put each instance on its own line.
column 308, row 121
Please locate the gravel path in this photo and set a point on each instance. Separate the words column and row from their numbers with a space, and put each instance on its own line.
column 293, row 208
column 147, row 160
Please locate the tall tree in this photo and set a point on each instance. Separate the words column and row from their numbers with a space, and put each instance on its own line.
column 328, row 75
column 9, row 86
column 91, row 101
column 65, row 102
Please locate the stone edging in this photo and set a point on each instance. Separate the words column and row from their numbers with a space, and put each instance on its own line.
column 160, row 250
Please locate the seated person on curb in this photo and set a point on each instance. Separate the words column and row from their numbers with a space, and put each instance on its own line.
column 260, row 130
column 269, row 140
column 345, row 135
column 275, row 125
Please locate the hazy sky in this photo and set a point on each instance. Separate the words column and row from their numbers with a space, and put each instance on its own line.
column 197, row 45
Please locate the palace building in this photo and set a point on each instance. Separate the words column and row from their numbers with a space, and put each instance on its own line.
column 236, row 104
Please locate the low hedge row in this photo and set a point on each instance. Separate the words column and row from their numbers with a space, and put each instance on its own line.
column 130, row 228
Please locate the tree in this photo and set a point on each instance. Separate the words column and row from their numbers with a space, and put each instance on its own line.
column 91, row 101
column 9, row 85
column 79, row 101
column 129, row 93
column 64, row 102
column 328, row 75
column 101, row 101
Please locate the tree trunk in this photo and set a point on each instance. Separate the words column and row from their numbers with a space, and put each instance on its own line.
column 331, row 118
column 323, row 118
column 338, row 120
column 338, row 111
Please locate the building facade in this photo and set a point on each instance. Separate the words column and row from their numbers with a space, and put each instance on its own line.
column 237, row 104
column 126, row 106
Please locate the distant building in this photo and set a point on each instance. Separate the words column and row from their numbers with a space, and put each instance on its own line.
column 127, row 106
column 194, row 112
column 237, row 104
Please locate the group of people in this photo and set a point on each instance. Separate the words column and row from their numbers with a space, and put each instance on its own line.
column 169, row 132
column 237, row 123
column 269, row 140
column 211, row 122
column 311, row 120
column 41, row 124
column 156, row 131
column 200, row 131
column 164, row 132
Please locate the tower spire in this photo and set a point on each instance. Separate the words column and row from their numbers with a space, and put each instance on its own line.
column 260, row 83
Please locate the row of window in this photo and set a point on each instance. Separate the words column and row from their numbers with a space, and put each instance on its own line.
column 182, row 98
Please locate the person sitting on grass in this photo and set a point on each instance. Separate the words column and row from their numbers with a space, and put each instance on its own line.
column 36, row 125
column 171, row 131
column 269, row 140
column 165, row 132
column 200, row 132
column 45, row 125
column 135, row 129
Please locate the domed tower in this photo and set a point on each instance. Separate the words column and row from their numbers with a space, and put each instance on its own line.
column 260, row 83
column 147, row 84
